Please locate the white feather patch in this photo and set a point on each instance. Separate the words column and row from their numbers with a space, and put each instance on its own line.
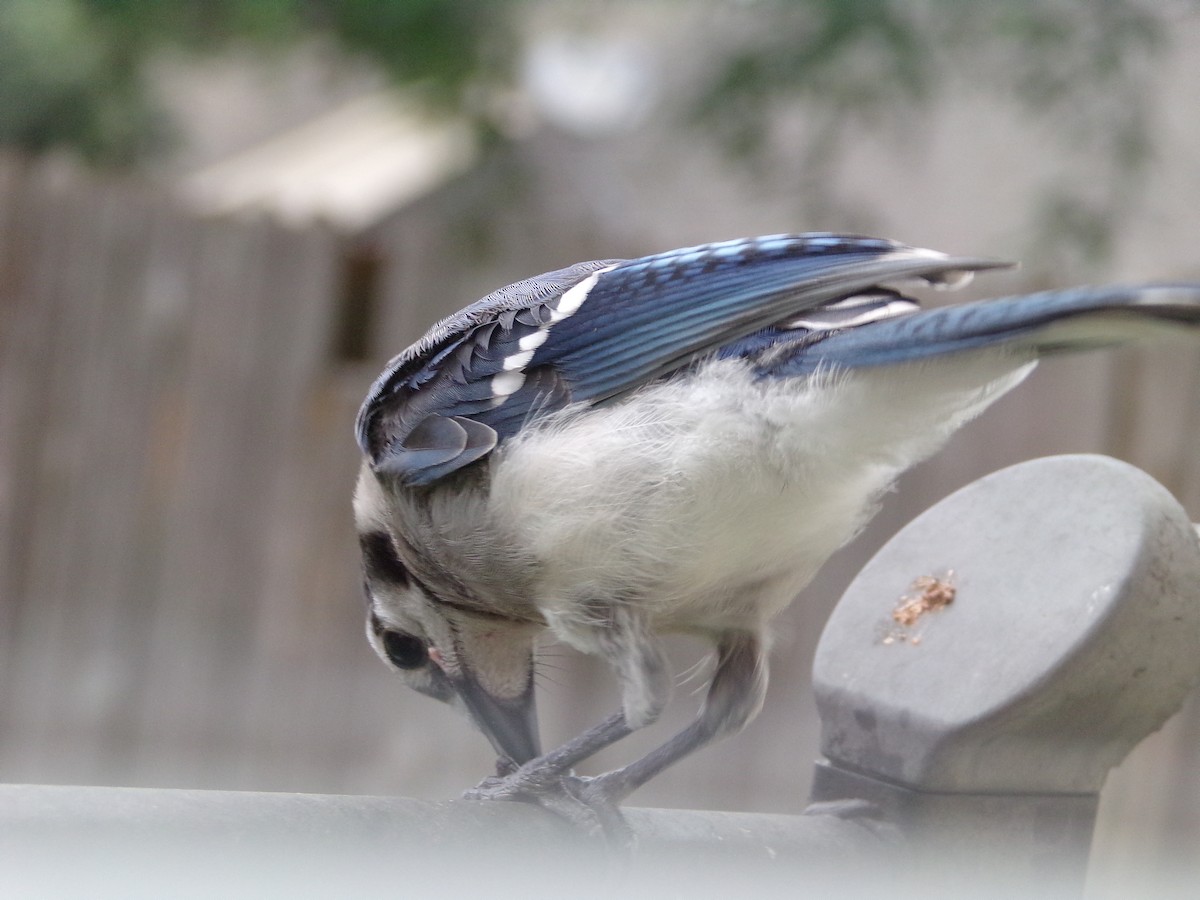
column 875, row 312
column 569, row 303
column 506, row 383
column 950, row 280
column 535, row 340
column 516, row 361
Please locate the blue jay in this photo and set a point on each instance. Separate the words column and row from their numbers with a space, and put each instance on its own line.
column 625, row 448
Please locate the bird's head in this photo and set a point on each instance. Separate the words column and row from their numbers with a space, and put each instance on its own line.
column 462, row 654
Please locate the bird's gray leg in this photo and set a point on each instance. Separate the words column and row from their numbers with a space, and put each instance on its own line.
column 735, row 696
column 542, row 781
column 623, row 638
column 541, row 773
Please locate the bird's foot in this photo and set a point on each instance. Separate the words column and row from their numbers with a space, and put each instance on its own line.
column 583, row 802
column 513, row 782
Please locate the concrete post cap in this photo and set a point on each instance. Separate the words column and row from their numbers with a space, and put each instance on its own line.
column 1021, row 636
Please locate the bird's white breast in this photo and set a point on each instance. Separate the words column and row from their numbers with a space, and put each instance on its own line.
column 711, row 500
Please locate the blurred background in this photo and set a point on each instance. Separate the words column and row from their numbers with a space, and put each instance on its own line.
column 219, row 220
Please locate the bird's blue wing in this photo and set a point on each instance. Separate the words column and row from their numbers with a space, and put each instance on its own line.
column 598, row 330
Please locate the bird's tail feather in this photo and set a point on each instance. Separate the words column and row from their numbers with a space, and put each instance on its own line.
column 1040, row 324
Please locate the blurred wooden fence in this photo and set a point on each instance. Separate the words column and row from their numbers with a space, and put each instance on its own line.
column 166, row 398
column 178, row 583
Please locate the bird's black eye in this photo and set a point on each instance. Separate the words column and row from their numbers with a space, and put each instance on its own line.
column 406, row 651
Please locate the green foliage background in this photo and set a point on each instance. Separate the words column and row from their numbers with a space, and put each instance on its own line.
column 72, row 73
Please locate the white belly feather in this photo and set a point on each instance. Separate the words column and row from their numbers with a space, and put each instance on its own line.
column 713, row 500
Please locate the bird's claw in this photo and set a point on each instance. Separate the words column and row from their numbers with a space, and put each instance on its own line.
column 510, row 783
column 590, row 794
column 581, row 801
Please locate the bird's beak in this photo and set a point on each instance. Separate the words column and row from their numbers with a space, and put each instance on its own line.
column 509, row 723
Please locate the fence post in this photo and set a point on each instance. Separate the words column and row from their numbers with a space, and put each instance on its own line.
column 990, row 665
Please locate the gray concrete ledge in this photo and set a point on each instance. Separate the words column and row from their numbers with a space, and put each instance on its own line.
column 128, row 842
